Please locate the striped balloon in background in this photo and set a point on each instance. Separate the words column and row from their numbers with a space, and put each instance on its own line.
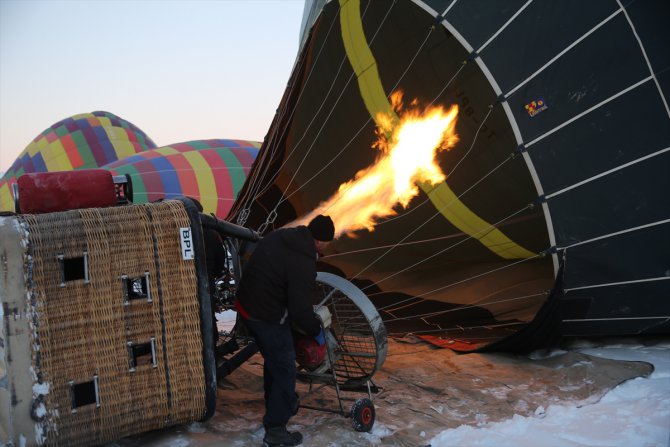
column 87, row 140
column 212, row 171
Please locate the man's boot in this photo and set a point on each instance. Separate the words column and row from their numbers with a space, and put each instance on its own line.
column 280, row 437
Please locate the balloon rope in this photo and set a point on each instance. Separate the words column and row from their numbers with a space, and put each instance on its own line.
column 646, row 58
column 438, row 213
column 381, row 247
column 473, row 142
column 468, row 306
column 449, row 82
column 463, row 328
column 278, row 141
column 416, row 54
column 605, row 173
column 447, row 249
column 448, row 8
column 562, row 52
column 323, row 125
column 505, row 25
column 288, row 185
column 456, row 309
column 617, row 233
column 460, row 308
column 404, row 244
column 257, row 189
column 315, row 175
column 265, row 188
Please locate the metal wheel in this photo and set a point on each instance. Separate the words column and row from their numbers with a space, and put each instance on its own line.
column 363, row 415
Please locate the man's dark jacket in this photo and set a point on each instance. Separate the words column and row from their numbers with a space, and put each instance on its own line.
column 278, row 280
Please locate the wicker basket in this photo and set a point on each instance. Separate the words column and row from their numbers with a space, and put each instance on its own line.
column 107, row 324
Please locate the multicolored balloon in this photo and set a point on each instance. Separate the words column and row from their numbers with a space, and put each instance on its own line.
column 87, row 140
column 212, row 171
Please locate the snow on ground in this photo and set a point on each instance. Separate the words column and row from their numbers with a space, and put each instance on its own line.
column 634, row 414
column 433, row 397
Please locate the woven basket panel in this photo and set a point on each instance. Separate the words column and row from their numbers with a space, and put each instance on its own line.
column 179, row 281
column 84, row 329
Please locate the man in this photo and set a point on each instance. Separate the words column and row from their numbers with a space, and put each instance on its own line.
column 276, row 293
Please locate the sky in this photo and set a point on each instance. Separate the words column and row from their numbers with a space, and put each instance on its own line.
column 178, row 70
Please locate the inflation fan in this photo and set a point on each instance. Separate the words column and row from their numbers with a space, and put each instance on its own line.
column 356, row 347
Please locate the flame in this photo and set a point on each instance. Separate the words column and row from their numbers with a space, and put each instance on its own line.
column 408, row 145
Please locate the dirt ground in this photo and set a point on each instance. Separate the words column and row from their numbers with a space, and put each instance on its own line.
column 423, row 391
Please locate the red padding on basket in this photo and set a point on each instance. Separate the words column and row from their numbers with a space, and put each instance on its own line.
column 47, row 192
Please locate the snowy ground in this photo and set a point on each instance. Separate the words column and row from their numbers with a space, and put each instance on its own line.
column 589, row 394
column 634, row 414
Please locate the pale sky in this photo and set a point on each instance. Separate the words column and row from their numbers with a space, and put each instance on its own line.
column 179, row 70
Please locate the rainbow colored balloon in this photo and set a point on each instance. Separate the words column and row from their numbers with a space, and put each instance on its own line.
column 212, row 171
column 87, row 140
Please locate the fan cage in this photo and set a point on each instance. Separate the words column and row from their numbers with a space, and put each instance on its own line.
column 359, row 346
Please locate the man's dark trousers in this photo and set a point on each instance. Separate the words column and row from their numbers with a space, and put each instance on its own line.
column 275, row 341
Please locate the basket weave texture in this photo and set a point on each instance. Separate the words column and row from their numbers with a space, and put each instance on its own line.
column 83, row 329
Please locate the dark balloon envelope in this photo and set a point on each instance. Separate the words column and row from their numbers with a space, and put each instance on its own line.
column 552, row 221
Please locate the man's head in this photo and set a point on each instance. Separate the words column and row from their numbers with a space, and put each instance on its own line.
column 322, row 229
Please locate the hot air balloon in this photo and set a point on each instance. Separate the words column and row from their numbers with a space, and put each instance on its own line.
column 550, row 219
column 212, row 171
column 87, row 140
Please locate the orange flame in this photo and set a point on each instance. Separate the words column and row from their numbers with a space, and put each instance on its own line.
column 409, row 145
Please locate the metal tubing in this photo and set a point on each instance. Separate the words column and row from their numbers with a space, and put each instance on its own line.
column 229, row 229
column 231, row 365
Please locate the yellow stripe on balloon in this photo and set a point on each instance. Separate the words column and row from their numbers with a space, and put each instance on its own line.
column 50, row 156
column 166, row 151
column 61, row 159
column 119, row 139
column 362, row 60
column 443, row 198
column 104, row 121
column 36, row 146
column 205, row 179
column 115, row 133
column 31, row 150
column 6, row 198
column 468, row 222
column 123, row 149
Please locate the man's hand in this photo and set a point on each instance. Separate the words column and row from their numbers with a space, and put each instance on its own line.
column 320, row 338
column 324, row 315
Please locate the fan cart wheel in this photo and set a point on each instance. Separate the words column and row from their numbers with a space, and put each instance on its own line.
column 363, row 415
